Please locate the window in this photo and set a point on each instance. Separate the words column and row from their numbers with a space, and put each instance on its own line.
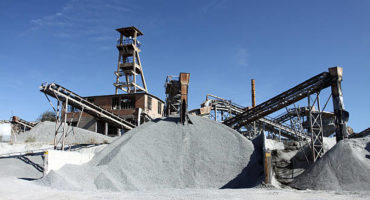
column 70, row 108
column 115, row 103
column 127, row 102
column 159, row 108
column 90, row 99
column 149, row 103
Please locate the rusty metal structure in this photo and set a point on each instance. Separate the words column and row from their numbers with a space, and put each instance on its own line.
column 173, row 95
column 109, row 114
column 220, row 109
column 66, row 97
column 129, row 64
column 184, row 86
column 301, row 123
column 177, row 95
column 310, row 87
column 23, row 124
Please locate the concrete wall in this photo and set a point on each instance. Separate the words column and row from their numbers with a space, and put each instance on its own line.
column 5, row 132
column 154, row 111
column 55, row 160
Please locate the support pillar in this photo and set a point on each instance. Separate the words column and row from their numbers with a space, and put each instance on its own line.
column 106, row 128
column 184, row 85
column 118, row 132
column 96, row 126
column 65, row 124
column 138, row 116
column 268, row 167
column 216, row 113
column 341, row 115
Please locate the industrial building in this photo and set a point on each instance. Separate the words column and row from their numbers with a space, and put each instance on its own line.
column 134, row 104
column 135, row 108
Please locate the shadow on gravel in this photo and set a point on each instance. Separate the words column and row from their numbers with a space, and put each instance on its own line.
column 30, row 179
column 28, row 161
column 253, row 174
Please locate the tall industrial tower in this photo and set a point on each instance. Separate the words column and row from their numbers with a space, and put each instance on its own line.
column 129, row 64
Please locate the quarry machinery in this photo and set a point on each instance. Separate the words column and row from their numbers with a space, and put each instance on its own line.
column 308, row 88
column 66, row 97
column 110, row 114
column 220, row 109
column 177, row 95
column 173, row 95
column 129, row 64
column 23, row 124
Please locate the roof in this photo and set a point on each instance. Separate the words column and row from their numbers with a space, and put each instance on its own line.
column 133, row 94
column 129, row 31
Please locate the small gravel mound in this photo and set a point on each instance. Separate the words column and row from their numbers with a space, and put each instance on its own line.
column 345, row 167
column 44, row 132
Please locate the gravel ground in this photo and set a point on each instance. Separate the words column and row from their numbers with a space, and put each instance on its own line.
column 25, row 167
column 12, row 188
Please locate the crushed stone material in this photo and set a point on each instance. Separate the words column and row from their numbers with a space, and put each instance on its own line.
column 345, row 167
column 166, row 154
column 44, row 132
column 23, row 167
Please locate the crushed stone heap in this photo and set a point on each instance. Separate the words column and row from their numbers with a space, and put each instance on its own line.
column 345, row 167
column 44, row 132
column 167, row 154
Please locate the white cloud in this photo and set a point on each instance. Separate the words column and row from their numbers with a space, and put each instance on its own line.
column 241, row 56
column 215, row 4
column 79, row 18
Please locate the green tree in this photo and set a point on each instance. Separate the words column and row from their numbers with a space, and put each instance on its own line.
column 47, row 116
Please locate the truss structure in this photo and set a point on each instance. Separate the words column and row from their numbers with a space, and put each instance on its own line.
column 222, row 109
column 66, row 97
column 23, row 124
column 129, row 64
column 303, row 90
column 312, row 86
column 316, row 128
column 173, row 95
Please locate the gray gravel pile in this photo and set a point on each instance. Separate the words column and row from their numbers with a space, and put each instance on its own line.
column 345, row 167
column 167, row 154
column 44, row 132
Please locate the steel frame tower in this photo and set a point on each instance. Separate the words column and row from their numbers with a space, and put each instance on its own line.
column 129, row 64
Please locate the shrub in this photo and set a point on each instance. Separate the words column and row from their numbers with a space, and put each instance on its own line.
column 47, row 116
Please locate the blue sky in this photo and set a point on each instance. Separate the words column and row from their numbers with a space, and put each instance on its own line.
column 222, row 43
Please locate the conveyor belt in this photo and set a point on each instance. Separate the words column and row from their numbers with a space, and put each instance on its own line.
column 61, row 93
column 282, row 100
column 269, row 125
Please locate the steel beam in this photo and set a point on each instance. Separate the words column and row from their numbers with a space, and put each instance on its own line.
column 62, row 94
column 278, row 102
column 341, row 115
